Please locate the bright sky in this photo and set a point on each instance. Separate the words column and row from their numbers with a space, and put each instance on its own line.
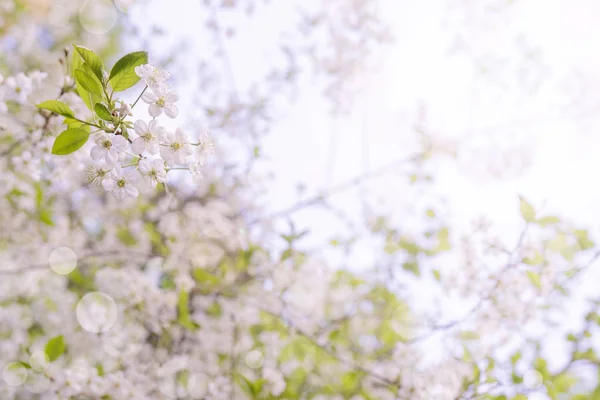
column 493, row 118
column 541, row 110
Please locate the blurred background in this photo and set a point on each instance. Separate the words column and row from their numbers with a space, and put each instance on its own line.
column 365, row 127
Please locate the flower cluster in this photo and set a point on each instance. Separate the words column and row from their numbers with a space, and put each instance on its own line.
column 125, row 152
column 153, row 151
column 17, row 88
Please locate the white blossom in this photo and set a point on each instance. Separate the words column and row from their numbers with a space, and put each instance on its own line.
column 153, row 170
column 160, row 99
column 149, row 136
column 206, row 147
column 121, row 183
column 124, row 110
column 176, row 148
column 18, row 87
column 108, row 147
column 152, row 76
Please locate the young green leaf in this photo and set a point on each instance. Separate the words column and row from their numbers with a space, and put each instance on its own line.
column 535, row 279
column 55, row 347
column 549, row 220
column 88, row 83
column 102, row 112
column 69, row 141
column 183, row 312
column 527, row 210
column 78, row 63
column 57, row 107
column 92, row 60
column 122, row 75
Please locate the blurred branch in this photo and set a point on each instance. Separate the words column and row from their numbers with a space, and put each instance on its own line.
column 340, row 188
column 84, row 259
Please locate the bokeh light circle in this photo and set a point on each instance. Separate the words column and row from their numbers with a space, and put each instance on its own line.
column 254, row 359
column 96, row 312
column 39, row 361
column 62, row 260
column 37, row 383
column 97, row 16
column 197, row 386
column 533, row 379
column 125, row 6
column 14, row 374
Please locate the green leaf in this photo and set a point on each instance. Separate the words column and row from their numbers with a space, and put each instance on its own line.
column 88, row 83
column 205, row 278
column 69, row 141
column 549, row 220
column 55, row 347
column 88, row 98
column 535, row 259
column 122, row 74
column 527, row 210
column 286, row 254
column 534, row 277
column 102, row 112
column 183, row 312
column 92, row 60
column 412, row 266
column 468, row 335
column 57, row 107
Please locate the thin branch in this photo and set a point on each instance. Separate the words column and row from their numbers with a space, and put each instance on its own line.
column 339, row 188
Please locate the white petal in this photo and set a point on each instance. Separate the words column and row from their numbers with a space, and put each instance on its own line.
column 171, row 110
column 119, row 143
column 171, row 97
column 108, row 184
column 149, row 97
column 140, row 127
column 154, row 110
column 111, row 156
column 131, row 191
column 144, row 166
column 132, row 176
column 119, row 194
column 152, row 147
column 154, row 127
column 138, row 146
column 97, row 152
column 158, row 164
column 143, row 71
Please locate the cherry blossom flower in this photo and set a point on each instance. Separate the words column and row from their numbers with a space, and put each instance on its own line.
column 152, row 76
column 19, row 87
column 124, row 110
column 153, row 170
column 176, row 148
column 160, row 99
column 149, row 136
column 205, row 147
column 196, row 170
column 108, row 147
column 121, row 183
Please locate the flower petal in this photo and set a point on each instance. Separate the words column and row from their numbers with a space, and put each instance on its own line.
column 149, row 97
column 97, row 152
column 171, row 97
column 108, row 184
column 140, row 127
column 119, row 143
column 131, row 191
column 154, row 110
column 138, row 146
column 171, row 110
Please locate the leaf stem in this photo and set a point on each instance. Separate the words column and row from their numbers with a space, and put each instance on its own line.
column 139, row 97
